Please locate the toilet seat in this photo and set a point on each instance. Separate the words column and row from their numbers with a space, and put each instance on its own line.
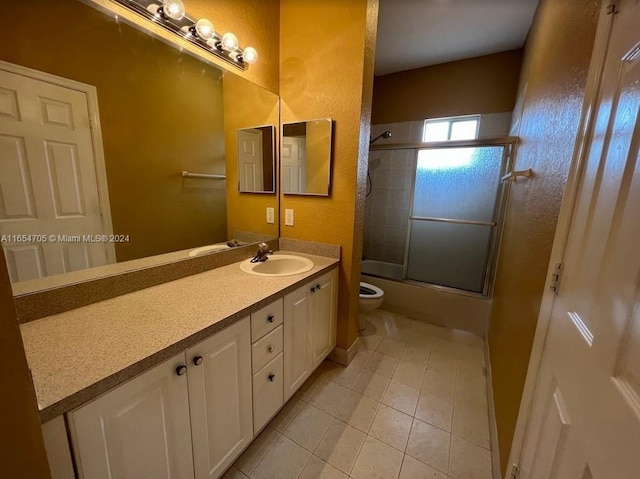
column 369, row 291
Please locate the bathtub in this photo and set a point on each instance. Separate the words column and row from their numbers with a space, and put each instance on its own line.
column 383, row 269
column 425, row 302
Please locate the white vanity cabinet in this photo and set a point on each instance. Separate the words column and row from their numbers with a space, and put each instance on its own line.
column 310, row 314
column 188, row 417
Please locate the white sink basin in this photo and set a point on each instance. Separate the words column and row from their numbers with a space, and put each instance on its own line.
column 212, row 248
column 278, row 265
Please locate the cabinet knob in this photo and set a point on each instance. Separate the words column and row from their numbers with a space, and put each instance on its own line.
column 198, row 360
column 272, row 377
column 271, row 318
column 181, row 370
column 270, row 349
column 313, row 289
column 318, row 286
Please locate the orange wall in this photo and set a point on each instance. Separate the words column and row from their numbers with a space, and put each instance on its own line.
column 326, row 61
column 22, row 452
column 555, row 68
column 247, row 105
column 486, row 84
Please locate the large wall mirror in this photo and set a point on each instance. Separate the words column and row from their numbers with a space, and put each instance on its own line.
column 115, row 146
column 306, row 157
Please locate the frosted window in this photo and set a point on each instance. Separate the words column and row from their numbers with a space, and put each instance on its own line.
column 464, row 130
column 449, row 254
column 458, row 183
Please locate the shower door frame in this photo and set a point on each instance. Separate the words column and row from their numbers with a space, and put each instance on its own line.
column 509, row 143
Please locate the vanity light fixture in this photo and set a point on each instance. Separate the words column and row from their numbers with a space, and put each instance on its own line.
column 171, row 15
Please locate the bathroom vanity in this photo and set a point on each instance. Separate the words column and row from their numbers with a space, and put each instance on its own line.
column 176, row 380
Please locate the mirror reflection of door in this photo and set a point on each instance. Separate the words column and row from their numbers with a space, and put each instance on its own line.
column 48, row 179
column 250, row 160
column 294, row 164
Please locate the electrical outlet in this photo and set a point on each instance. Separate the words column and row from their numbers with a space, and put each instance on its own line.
column 270, row 216
column 288, row 217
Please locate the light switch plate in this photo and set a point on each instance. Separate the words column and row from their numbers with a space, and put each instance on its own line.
column 270, row 215
column 288, row 217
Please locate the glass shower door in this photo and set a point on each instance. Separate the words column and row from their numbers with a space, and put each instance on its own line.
column 454, row 215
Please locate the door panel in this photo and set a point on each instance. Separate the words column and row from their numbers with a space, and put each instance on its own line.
column 323, row 335
column 592, row 349
column 297, row 346
column 220, row 399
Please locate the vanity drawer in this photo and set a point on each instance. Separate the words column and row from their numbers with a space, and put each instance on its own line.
column 266, row 319
column 267, row 392
column 267, row 348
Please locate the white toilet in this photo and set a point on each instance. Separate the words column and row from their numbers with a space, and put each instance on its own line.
column 370, row 298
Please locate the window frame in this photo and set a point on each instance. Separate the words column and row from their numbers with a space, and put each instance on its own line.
column 450, row 120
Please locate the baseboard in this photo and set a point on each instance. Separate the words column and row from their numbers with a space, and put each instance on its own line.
column 344, row 356
column 493, row 427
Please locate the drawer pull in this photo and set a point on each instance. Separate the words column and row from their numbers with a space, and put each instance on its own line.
column 181, row 370
column 270, row 349
column 272, row 377
column 198, row 360
column 271, row 318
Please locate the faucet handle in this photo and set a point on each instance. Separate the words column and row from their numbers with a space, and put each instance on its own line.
column 263, row 248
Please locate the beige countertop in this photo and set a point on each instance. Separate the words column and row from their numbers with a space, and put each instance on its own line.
column 79, row 354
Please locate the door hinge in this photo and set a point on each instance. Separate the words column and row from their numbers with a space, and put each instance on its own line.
column 515, row 471
column 556, row 277
column 612, row 8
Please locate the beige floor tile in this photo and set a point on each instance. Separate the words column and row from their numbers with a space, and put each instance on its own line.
column 443, row 362
column 340, row 445
column 318, row 469
column 382, row 364
column 286, row 415
column 469, row 461
column 470, row 354
column 358, row 411
column 347, row 376
column 391, row 427
column 445, row 346
column 414, row 469
column 417, row 354
column 371, row 385
column 429, row 445
column 438, row 383
column 391, row 347
column 377, row 460
column 285, row 460
column 361, row 358
column 472, row 425
column 436, row 411
column 401, row 397
column 308, row 427
column 472, row 394
column 234, row 473
column 371, row 341
column 409, row 373
column 328, row 396
column 261, row 445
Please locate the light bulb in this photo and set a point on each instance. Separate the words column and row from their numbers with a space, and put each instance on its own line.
column 250, row 55
column 229, row 42
column 204, row 29
column 173, row 9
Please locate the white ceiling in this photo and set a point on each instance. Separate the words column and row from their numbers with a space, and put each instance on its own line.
column 418, row 33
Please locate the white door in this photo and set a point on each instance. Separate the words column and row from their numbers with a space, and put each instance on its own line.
column 220, row 399
column 585, row 418
column 48, row 182
column 294, row 166
column 137, row 430
column 250, row 160
column 297, row 340
column 323, row 335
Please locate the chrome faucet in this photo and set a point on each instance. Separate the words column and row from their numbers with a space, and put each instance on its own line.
column 261, row 255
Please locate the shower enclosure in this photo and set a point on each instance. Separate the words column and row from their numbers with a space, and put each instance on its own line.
column 434, row 211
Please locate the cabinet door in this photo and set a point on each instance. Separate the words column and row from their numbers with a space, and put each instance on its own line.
column 297, row 345
column 139, row 430
column 220, row 398
column 323, row 329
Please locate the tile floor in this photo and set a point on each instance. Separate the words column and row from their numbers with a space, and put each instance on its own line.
column 412, row 404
